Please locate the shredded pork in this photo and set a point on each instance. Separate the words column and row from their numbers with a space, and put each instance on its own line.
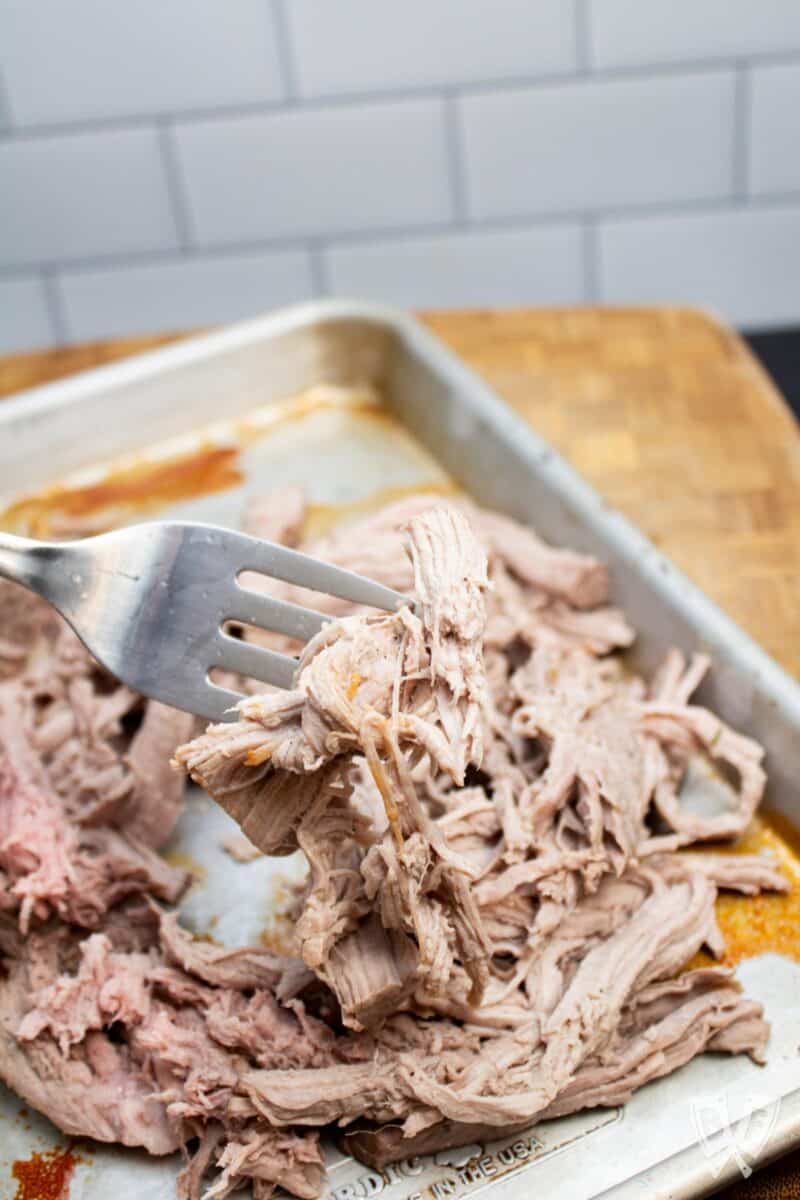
column 501, row 900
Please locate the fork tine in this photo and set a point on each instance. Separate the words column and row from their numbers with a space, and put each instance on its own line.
column 254, row 661
column 305, row 571
column 280, row 616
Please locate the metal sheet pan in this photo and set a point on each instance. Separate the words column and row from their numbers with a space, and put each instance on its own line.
column 397, row 412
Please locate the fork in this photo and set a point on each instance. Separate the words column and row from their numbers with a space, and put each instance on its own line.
column 150, row 603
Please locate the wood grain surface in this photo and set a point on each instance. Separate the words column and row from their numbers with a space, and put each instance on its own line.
column 672, row 419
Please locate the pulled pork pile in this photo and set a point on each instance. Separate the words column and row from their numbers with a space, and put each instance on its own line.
column 499, row 905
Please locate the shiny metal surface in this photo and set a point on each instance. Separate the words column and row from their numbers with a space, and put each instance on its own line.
column 151, row 602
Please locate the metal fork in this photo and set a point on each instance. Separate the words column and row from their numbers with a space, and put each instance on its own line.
column 150, row 602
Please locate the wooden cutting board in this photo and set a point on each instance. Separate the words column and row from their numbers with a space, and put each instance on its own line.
column 669, row 415
column 665, row 411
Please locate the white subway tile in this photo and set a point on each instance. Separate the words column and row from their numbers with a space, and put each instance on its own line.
column 591, row 145
column 292, row 173
column 356, row 45
column 773, row 135
column 631, row 32
column 24, row 321
column 744, row 265
column 109, row 58
column 532, row 266
column 82, row 194
column 178, row 295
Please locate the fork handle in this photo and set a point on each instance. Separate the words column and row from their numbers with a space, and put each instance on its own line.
column 30, row 563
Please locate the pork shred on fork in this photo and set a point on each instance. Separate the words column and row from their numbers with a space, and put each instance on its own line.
column 381, row 705
column 503, row 891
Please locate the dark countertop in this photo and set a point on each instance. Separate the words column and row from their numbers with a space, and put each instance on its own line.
column 779, row 351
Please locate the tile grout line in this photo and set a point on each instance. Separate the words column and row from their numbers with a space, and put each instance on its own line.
column 742, row 108
column 583, row 37
column 322, row 103
column 54, row 302
column 454, row 154
column 521, row 222
column 591, row 261
column 319, row 268
column 283, row 38
column 176, row 189
column 6, row 116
